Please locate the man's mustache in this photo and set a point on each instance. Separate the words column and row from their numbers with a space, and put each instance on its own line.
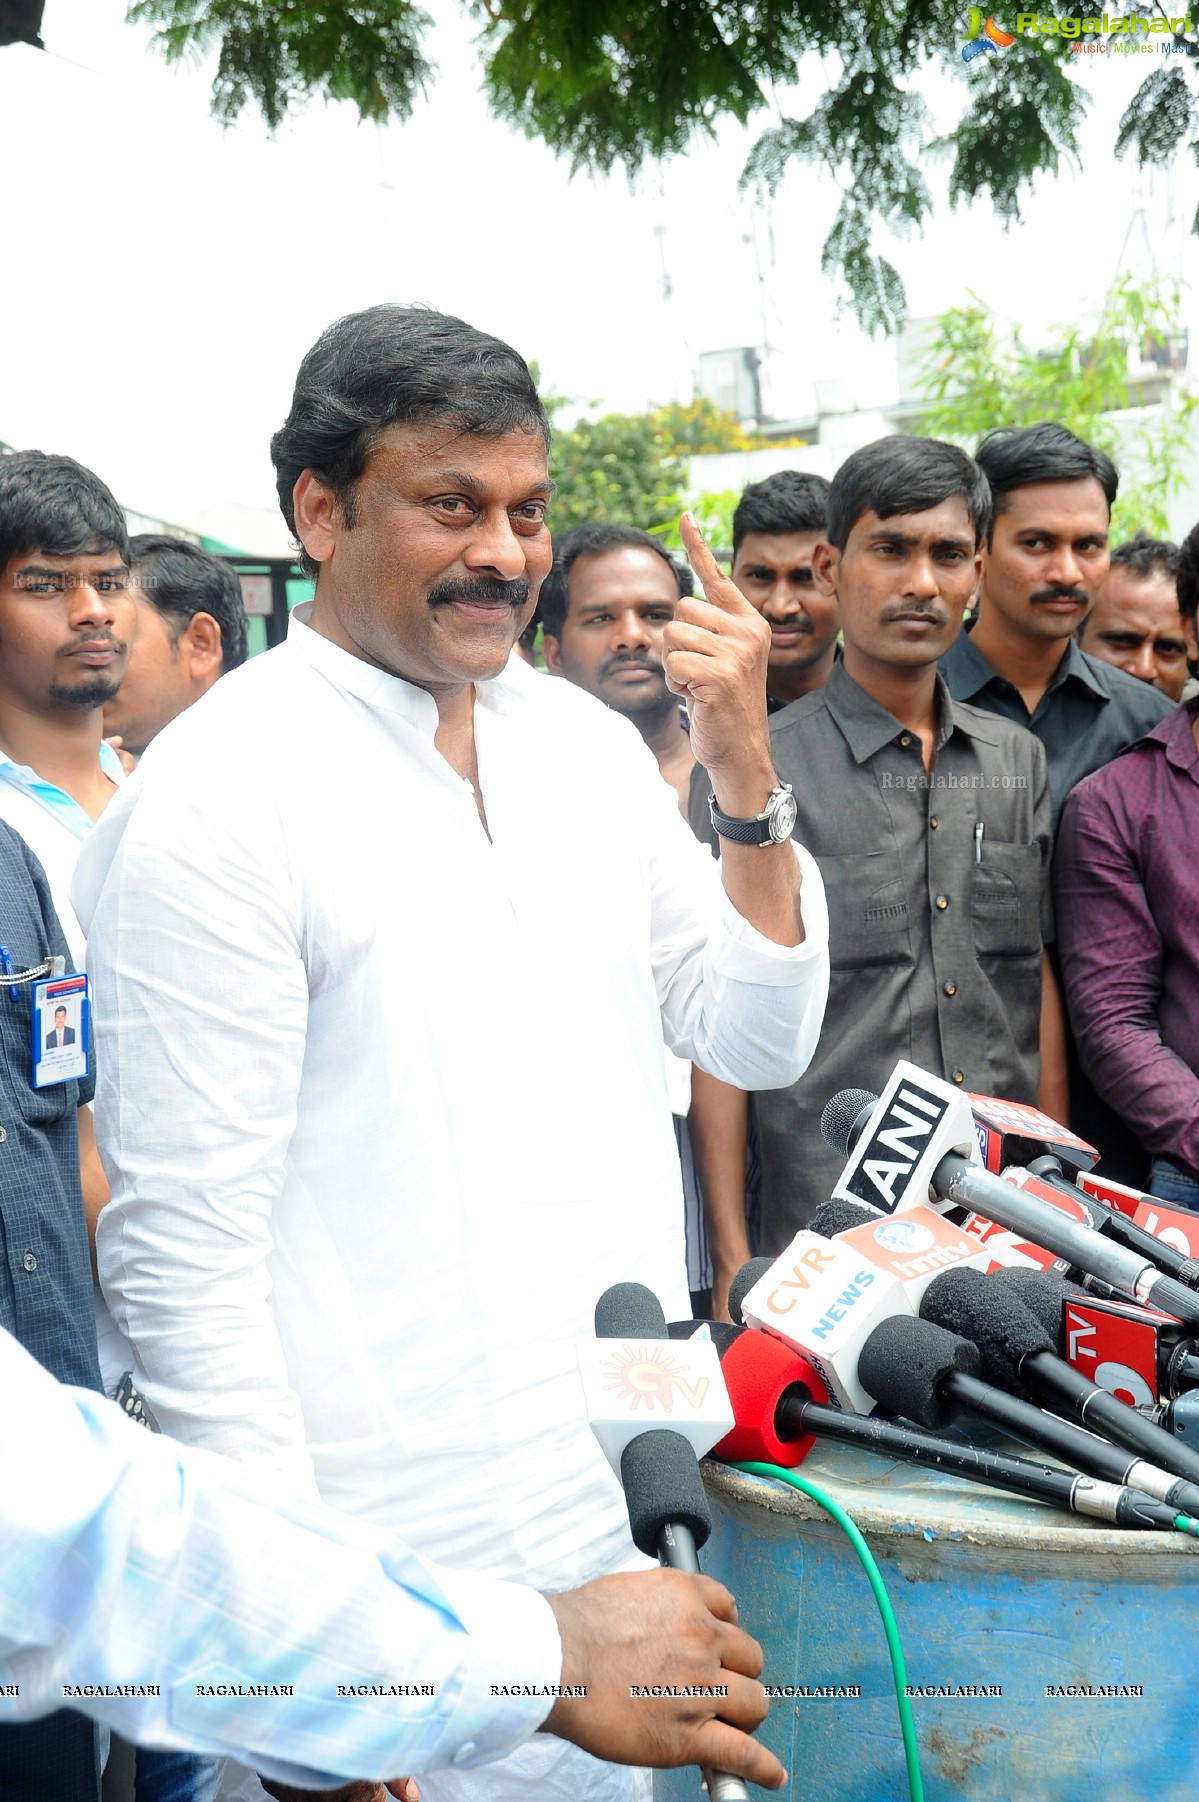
column 1078, row 595
column 618, row 663
column 488, row 589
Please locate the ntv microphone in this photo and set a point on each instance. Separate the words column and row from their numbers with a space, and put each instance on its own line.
column 920, row 1134
column 631, row 1362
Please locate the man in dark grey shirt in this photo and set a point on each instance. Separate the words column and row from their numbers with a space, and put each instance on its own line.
column 1044, row 558
column 930, row 821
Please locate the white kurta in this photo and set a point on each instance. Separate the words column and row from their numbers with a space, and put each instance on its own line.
column 382, row 1101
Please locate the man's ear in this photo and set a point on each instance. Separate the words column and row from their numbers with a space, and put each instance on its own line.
column 826, row 565
column 318, row 515
column 201, row 643
column 552, row 652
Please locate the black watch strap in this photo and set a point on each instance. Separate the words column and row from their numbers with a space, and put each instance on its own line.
column 756, row 831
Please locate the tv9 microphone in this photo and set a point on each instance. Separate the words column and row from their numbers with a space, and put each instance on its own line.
column 669, row 1516
column 897, row 1151
column 1019, row 1353
column 1117, row 1225
column 776, row 1397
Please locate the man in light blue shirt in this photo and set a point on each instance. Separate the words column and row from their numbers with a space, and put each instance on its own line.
column 158, row 1589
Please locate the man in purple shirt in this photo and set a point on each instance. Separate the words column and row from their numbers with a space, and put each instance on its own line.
column 1127, row 877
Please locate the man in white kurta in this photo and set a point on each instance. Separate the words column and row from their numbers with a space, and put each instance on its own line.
column 369, row 1178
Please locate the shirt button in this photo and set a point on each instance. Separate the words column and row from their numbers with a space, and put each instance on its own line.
column 3, row 1135
column 464, row 1752
column 29, row 1261
column 905, row 739
column 942, row 902
column 958, row 1076
column 934, row 822
column 951, row 988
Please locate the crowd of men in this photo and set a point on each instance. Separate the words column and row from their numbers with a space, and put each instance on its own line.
column 915, row 779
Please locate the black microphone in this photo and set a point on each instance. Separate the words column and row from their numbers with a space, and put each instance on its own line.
column 743, row 1282
column 919, row 1370
column 669, row 1516
column 775, row 1397
column 1016, row 1351
column 968, row 1185
column 1035, row 1293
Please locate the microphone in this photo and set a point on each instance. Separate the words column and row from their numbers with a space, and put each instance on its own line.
column 915, row 1368
column 1017, row 1352
column 1118, row 1226
column 913, row 1247
column 777, row 1398
column 1134, row 1353
column 822, row 1297
column 669, row 1516
column 921, row 1113
column 743, row 1282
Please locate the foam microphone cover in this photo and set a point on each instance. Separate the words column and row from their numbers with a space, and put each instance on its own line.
column 1042, row 1294
column 905, row 1361
column 841, row 1115
column 743, row 1282
column 629, row 1311
column 661, row 1483
column 838, row 1216
column 995, row 1320
column 758, row 1371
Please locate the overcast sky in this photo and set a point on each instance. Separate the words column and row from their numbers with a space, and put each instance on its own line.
column 163, row 277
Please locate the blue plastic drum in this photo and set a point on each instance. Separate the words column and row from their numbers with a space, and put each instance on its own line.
column 1054, row 1659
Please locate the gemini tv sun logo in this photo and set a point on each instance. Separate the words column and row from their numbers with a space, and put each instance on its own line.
column 651, row 1377
column 986, row 37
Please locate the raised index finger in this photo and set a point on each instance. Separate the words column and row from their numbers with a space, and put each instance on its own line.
column 720, row 590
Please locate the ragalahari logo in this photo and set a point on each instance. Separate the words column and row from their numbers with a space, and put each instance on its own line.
column 651, row 1378
column 986, row 37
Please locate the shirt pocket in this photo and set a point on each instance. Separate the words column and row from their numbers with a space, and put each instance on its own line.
column 867, row 910
column 1005, row 901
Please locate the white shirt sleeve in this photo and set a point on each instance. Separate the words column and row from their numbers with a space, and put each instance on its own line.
column 195, row 949
column 129, row 1563
column 743, row 1008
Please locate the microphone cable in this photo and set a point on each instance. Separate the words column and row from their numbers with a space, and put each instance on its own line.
column 874, row 1577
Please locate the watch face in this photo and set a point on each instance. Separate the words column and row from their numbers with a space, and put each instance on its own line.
column 782, row 817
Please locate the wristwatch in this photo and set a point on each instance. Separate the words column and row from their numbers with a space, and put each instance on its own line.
column 773, row 826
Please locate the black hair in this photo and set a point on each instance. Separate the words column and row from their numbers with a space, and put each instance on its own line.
column 589, row 541
column 905, row 475
column 1188, row 576
column 55, row 505
column 788, row 501
column 394, row 365
column 1147, row 557
column 1017, row 456
column 181, row 580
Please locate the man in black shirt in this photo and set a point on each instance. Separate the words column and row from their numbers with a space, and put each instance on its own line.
column 1045, row 556
column 45, row 1270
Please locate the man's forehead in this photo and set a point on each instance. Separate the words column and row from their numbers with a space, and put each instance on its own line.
column 950, row 517
column 445, row 444
column 780, row 549
column 107, row 556
column 631, row 568
column 1152, row 598
column 1056, row 506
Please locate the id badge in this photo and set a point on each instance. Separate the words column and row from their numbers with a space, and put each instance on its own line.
column 62, row 1037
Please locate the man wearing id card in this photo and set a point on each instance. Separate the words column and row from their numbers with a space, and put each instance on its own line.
column 343, row 1257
